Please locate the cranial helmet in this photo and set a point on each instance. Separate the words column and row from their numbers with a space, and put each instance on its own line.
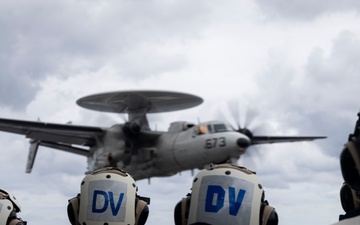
column 225, row 194
column 108, row 196
column 9, row 206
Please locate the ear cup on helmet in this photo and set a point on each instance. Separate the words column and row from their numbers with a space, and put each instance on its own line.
column 177, row 214
column 17, row 222
column 268, row 215
column 350, row 163
column 181, row 211
column 141, row 211
column 73, row 210
column 349, row 198
column 14, row 220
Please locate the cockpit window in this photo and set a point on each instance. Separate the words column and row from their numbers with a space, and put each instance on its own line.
column 222, row 127
column 210, row 128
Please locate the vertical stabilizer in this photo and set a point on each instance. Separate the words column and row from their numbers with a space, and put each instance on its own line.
column 34, row 145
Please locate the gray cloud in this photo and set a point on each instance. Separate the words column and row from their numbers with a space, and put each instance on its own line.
column 311, row 100
column 40, row 39
column 341, row 66
column 305, row 10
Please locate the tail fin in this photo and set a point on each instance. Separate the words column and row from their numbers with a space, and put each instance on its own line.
column 34, row 145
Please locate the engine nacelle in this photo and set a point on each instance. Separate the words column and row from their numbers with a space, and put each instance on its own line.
column 132, row 128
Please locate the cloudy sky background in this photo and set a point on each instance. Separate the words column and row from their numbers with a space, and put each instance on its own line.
column 295, row 63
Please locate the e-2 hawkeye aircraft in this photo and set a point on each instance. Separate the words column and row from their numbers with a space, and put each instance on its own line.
column 143, row 153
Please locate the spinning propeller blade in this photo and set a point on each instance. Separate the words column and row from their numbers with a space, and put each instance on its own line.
column 249, row 118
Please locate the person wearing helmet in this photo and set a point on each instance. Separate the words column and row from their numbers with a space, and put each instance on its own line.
column 9, row 207
column 350, row 169
column 108, row 196
column 225, row 194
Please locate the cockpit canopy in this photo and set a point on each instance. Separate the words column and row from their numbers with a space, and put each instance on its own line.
column 215, row 127
column 219, row 127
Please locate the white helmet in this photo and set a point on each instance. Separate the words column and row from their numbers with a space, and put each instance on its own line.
column 108, row 196
column 6, row 207
column 6, row 195
column 9, row 206
column 225, row 194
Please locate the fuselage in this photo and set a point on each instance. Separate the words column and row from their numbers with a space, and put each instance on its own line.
column 183, row 147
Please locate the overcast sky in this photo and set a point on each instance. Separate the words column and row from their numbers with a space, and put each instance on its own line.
column 295, row 63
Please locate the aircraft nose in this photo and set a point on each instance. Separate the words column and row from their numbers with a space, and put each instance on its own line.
column 243, row 142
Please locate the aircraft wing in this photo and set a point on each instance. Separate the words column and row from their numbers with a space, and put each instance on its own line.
column 63, row 137
column 255, row 140
column 52, row 133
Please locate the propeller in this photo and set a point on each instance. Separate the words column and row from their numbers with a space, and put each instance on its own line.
column 128, row 131
column 129, row 128
column 117, row 118
column 243, row 120
column 250, row 114
column 231, row 113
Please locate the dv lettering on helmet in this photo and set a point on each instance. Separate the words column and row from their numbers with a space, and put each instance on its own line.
column 215, row 199
column 102, row 200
